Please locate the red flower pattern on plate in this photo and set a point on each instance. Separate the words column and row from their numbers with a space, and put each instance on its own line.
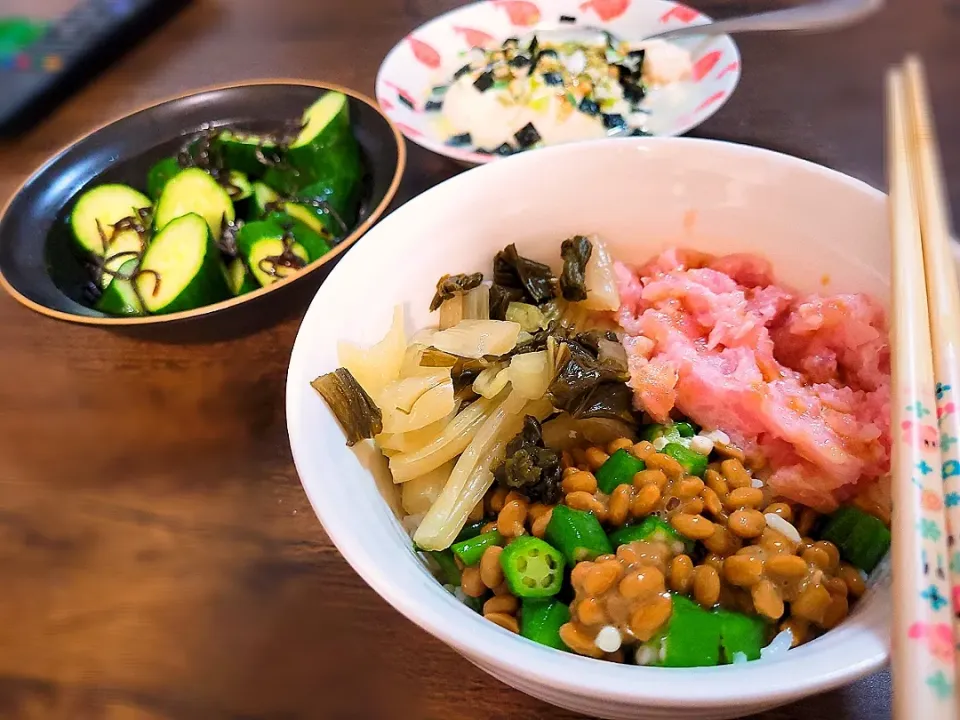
column 407, row 130
column 474, row 38
column 703, row 66
column 606, row 9
column 682, row 14
column 424, row 53
column 404, row 96
column 732, row 67
column 520, row 12
column 715, row 98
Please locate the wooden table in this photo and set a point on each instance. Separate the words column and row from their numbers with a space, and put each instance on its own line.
column 158, row 559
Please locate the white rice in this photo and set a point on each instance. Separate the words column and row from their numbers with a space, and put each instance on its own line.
column 608, row 639
column 775, row 522
column 778, row 646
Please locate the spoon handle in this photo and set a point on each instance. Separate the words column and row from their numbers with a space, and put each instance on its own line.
column 824, row 15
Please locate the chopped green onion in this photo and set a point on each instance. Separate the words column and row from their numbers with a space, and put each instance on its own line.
column 619, row 469
column 693, row 463
column 532, row 568
column 541, row 619
column 862, row 539
column 577, row 534
column 470, row 551
column 652, row 529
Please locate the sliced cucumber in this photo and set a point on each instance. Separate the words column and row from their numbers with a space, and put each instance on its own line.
column 239, row 151
column 160, row 174
column 306, row 229
column 120, row 297
column 242, row 189
column 181, row 269
column 342, row 193
column 124, row 242
column 325, row 149
column 274, row 226
column 100, row 209
column 239, row 277
column 266, row 248
column 254, row 231
column 324, row 123
column 263, row 197
column 192, row 191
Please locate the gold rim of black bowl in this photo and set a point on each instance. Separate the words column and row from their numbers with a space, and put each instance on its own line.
column 342, row 246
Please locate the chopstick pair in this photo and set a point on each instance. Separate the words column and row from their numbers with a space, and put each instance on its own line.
column 925, row 400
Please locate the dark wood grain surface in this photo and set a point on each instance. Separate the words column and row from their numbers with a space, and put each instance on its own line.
column 158, row 559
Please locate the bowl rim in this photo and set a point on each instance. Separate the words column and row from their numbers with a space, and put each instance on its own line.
column 488, row 646
column 358, row 232
column 472, row 158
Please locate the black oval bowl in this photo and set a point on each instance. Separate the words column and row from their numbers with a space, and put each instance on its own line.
column 38, row 265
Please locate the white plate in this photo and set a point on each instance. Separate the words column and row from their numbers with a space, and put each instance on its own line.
column 433, row 52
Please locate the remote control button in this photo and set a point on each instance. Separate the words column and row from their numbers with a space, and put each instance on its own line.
column 120, row 7
column 52, row 63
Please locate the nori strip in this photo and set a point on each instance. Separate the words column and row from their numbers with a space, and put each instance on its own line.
column 459, row 140
column 527, row 136
column 505, row 149
column 433, row 105
column 534, row 47
column 567, row 19
column 553, row 78
column 637, row 56
column 484, row 82
column 634, row 94
column 589, row 107
column 462, row 71
column 405, row 101
column 510, row 42
column 637, row 132
column 519, row 61
column 614, row 121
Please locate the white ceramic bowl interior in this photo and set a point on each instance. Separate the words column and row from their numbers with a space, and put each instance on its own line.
column 430, row 55
column 822, row 230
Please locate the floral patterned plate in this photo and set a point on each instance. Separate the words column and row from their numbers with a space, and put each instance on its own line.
column 432, row 53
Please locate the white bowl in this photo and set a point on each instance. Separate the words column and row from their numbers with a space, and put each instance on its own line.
column 821, row 229
column 429, row 56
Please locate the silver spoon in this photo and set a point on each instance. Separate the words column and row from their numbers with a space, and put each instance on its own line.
column 824, row 15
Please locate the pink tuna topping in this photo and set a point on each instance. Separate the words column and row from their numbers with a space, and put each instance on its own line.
column 802, row 382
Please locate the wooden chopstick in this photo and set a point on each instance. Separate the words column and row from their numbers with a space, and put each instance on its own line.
column 943, row 302
column 923, row 645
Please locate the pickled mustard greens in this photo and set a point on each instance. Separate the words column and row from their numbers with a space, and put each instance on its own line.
column 355, row 411
column 260, row 233
column 576, row 254
column 513, row 437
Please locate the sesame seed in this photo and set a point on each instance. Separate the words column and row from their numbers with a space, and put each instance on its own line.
column 608, row 639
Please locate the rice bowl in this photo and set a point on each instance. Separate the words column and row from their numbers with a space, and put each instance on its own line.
column 641, row 196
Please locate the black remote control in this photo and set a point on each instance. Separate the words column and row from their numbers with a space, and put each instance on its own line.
column 74, row 48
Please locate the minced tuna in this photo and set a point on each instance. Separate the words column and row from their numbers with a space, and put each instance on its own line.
column 801, row 383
